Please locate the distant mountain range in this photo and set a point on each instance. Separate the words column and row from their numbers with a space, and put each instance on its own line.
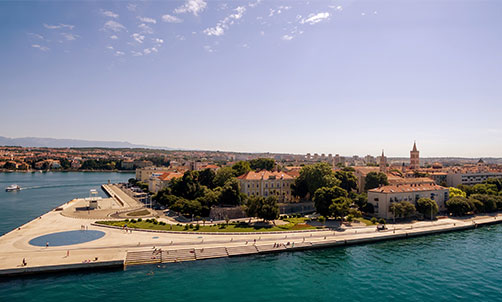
column 67, row 143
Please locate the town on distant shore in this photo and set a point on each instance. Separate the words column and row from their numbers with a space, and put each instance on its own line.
column 227, row 185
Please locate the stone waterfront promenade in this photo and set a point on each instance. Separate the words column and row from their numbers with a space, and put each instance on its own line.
column 119, row 248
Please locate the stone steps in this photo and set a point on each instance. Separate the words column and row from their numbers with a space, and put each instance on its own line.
column 178, row 255
column 241, row 250
column 208, row 253
column 142, row 257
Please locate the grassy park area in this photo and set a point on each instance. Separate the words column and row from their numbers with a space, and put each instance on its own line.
column 241, row 226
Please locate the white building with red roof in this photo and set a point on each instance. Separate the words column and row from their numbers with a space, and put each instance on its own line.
column 381, row 198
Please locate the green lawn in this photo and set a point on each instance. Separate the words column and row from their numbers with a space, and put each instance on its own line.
column 293, row 224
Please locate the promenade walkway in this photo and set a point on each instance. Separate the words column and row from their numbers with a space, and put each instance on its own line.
column 117, row 244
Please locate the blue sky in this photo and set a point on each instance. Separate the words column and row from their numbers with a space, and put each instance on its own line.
column 348, row 77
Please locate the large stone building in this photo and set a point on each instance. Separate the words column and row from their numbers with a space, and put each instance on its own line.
column 159, row 182
column 381, row 198
column 266, row 183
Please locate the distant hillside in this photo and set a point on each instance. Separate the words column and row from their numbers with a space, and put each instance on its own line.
column 65, row 143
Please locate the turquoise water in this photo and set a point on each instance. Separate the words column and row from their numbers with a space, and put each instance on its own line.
column 462, row 266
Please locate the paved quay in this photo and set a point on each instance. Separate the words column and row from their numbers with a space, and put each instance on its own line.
column 120, row 248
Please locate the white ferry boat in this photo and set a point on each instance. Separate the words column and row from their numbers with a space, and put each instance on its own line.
column 12, row 188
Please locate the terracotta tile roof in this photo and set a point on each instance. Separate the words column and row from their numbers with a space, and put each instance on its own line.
column 252, row 175
column 170, row 175
column 404, row 188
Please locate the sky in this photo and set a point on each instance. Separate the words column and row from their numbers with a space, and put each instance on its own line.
column 327, row 76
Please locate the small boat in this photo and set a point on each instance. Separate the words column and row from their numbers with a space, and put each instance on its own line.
column 12, row 188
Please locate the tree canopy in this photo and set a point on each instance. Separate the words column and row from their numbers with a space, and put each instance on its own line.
column 262, row 164
column 324, row 197
column 427, row 207
column 374, row 180
column 313, row 177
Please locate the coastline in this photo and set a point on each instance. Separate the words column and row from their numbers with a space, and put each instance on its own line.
column 119, row 249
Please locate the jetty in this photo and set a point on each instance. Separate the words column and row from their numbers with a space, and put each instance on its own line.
column 24, row 250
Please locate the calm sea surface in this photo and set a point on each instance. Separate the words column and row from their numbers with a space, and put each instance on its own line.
column 462, row 266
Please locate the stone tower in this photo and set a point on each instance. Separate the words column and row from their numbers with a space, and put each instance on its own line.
column 383, row 163
column 414, row 158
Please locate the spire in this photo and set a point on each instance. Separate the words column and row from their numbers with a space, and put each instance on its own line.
column 382, row 153
column 414, row 146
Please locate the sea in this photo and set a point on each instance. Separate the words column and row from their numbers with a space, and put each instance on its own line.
column 458, row 266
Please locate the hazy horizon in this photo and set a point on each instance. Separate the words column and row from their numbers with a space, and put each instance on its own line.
column 346, row 77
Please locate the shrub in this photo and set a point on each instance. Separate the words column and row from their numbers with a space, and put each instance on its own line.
column 381, row 220
column 186, row 227
column 190, row 226
column 197, row 227
column 127, row 220
column 321, row 219
column 140, row 220
column 373, row 220
column 133, row 220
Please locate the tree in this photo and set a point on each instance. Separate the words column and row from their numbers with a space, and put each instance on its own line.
column 222, row 175
column 252, row 205
column 230, row 193
column 360, row 200
column 489, row 201
column 495, row 181
column 375, row 180
column 241, row 167
column 206, row 178
column 397, row 209
column 408, row 209
column 313, row 177
column 261, row 207
column 454, row 192
column 187, row 186
column 476, row 205
column 340, row 207
column 262, row 164
column 347, row 180
column 323, row 198
column 458, row 206
column 269, row 210
column 427, row 207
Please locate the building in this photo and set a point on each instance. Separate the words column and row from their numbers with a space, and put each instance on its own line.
column 383, row 163
column 144, row 174
column 266, row 183
column 414, row 157
column 381, row 198
column 159, row 182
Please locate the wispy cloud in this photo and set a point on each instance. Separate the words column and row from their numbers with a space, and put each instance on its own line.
column 145, row 29
column 114, row 37
column 42, row 48
column 109, row 13
column 38, row 36
column 119, row 53
column 254, row 4
column 315, row 18
column 59, row 26
column 191, row 6
column 208, row 48
column 131, row 7
column 69, row 37
column 148, row 51
column 287, row 38
column 138, row 38
column 171, row 19
column 224, row 24
column 113, row 26
column 147, row 20
column 158, row 41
